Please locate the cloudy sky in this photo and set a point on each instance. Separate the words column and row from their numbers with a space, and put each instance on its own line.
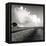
column 27, row 16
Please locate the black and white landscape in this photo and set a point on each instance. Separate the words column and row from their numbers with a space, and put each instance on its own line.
column 27, row 23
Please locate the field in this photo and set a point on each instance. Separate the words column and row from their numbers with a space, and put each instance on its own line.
column 27, row 34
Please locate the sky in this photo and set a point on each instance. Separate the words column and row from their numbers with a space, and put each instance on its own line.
column 27, row 16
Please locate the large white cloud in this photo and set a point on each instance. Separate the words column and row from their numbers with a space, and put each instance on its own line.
column 25, row 18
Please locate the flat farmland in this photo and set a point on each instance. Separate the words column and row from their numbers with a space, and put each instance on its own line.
column 27, row 34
